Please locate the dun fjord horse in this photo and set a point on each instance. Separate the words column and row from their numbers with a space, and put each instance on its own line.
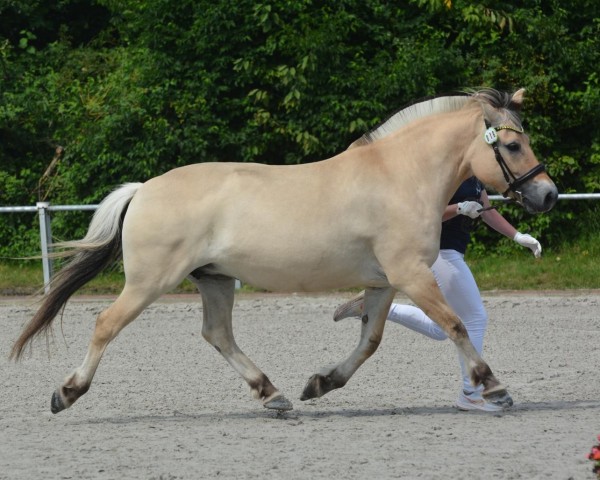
column 368, row 217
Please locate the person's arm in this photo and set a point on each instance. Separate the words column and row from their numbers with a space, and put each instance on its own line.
column 468, row 208
column 495, row 220
column 450, row 212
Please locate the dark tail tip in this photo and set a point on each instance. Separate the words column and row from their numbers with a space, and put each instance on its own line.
column 84, row 267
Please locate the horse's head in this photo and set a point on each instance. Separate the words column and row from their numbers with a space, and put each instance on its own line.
column 504, row 158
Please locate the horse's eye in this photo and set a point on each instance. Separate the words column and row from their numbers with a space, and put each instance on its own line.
column 514, row 147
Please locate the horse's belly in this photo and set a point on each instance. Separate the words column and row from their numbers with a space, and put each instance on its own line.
column 302, row 274
column 299, row 283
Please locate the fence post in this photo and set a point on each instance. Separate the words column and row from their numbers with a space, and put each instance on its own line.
column 46, row 241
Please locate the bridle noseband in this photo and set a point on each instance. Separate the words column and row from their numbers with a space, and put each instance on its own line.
column 491, row 138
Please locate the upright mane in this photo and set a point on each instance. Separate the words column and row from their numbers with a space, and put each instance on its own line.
column 441, row 104
column 500, row 101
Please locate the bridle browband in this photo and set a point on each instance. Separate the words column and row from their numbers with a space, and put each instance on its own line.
column 491, row 138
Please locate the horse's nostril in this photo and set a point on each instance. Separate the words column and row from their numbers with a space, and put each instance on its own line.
column 550, row 199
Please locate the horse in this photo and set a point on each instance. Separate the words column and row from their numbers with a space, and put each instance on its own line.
column 367, row 217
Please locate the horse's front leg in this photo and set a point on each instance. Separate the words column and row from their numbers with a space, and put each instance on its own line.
column 376, row 307
column 422, row 288
column 217, row 301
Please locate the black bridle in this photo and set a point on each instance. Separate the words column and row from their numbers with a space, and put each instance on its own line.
column 491, row 138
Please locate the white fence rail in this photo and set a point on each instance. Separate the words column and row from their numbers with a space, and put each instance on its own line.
column 44, row 210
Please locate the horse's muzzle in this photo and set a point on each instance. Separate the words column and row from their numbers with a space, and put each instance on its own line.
column 539, row 196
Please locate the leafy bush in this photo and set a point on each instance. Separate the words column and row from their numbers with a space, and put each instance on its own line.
column 132, row 89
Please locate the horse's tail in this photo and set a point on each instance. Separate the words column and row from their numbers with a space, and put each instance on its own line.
column 100, row 247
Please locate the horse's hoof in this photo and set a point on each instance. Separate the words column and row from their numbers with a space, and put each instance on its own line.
column 500, row 398
column 56, row 404
column 279, row 403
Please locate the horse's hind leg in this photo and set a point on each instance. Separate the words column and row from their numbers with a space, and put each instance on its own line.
column 217, row 304
column 108, row 324
column 376, row 307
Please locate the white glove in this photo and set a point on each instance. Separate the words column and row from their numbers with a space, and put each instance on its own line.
column 470, row 209
column 528, row 241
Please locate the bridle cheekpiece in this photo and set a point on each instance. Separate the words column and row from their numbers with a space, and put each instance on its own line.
column 491, row 138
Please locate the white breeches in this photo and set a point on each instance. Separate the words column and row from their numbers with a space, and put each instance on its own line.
column 460, row 291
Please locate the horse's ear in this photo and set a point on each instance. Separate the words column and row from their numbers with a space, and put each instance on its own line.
column 516, row 102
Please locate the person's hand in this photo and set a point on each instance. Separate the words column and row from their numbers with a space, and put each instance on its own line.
column 528, row 241
column 468, row 208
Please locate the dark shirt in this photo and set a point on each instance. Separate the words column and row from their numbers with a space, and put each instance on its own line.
column 456, row 232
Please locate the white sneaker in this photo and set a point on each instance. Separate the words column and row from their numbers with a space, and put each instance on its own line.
column 474, row 401
column 352, row 308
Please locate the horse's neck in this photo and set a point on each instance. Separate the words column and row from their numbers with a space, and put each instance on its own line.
column 438, row 147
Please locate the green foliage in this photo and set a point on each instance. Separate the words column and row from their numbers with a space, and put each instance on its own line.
column 132, row 89
column 565, row 266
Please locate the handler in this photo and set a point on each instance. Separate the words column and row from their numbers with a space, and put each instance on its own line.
column 456, row 281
